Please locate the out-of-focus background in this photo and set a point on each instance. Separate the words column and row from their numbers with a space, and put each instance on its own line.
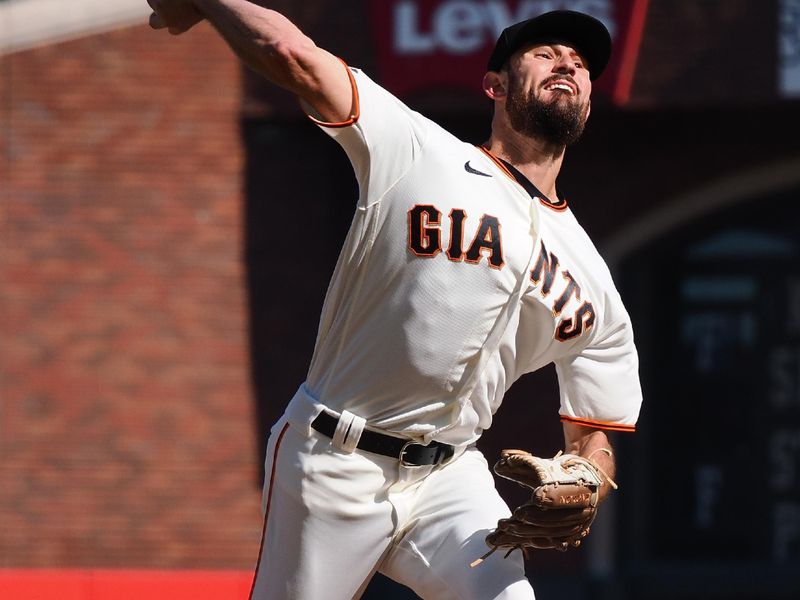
column 168, row 224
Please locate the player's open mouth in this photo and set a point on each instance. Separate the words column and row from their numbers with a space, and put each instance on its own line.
column 561, row 85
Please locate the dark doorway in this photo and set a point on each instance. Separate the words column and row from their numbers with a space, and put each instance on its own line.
column 716, row 307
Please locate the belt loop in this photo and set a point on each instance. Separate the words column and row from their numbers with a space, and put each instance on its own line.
column 348, row 431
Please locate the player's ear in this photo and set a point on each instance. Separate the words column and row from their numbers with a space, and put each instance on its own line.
column 495, row 85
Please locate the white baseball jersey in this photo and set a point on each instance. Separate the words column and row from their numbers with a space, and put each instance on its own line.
column 453, row 282
column 455, row 279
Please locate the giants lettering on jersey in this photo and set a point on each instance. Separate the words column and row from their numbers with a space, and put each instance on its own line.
column 545, row 276
column 425, row 239
column 560, row 287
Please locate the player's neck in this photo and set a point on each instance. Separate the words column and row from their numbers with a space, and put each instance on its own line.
column 538, row 161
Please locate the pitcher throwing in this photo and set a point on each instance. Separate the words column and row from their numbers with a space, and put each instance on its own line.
column 464, row 269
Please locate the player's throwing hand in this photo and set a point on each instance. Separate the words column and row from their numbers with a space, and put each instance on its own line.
column 177, row 16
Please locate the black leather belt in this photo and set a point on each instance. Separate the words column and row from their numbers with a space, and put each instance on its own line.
column 407, row 452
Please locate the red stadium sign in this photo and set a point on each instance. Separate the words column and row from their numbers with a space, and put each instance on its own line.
column 424, row 44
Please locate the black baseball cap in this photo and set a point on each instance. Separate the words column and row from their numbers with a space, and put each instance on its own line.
column 584, row 33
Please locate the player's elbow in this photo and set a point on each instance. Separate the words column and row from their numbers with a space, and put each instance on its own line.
column 292, row 62
column 294, row 51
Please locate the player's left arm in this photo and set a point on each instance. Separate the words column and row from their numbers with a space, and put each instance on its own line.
column 594, row 445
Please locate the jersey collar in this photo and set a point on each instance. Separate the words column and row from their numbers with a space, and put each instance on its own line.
column 559, row 204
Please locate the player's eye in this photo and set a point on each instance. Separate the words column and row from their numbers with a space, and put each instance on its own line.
column 546, row 55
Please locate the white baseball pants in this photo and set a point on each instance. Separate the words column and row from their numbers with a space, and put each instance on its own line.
column 334, row 518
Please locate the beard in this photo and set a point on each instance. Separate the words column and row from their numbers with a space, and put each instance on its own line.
column 559, row 122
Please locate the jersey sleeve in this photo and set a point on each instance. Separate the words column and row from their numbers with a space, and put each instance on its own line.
column 382, row 137
column 600, row 385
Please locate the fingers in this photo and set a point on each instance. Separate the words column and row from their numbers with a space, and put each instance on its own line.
column 156, row 22
column 177, row 16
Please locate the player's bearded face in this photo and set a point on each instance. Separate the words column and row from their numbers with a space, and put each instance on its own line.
column 555, row 117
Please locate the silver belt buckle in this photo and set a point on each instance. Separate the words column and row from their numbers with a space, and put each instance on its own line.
column 402, row 456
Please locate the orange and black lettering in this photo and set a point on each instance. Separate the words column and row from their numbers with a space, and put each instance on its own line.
column 455, row 251
column 547, row 263
column 487, row 238
column 423, row 240
column 582, row 321
column 572, row 288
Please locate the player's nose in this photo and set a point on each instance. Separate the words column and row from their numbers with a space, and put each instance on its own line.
column 564, row 63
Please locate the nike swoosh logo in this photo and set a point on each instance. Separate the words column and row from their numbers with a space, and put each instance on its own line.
column 469, row 169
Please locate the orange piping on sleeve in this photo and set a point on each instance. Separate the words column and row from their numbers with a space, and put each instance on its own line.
column 599, row 424
column 356, row 106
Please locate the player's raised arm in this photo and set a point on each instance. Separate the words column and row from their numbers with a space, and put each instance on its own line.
column 271, row 45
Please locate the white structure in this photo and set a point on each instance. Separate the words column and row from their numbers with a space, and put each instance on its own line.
column 27, row 24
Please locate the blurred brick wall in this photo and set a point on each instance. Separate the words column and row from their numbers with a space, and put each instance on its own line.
column 126, row 419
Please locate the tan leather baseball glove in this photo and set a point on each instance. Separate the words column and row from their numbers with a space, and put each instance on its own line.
column 562, row 507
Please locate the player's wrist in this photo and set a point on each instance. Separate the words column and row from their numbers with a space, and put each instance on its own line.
column 601, row 460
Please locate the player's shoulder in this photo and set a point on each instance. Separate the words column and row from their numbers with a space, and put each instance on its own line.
column 561, row 228
column 568, row 244
column 371, row 91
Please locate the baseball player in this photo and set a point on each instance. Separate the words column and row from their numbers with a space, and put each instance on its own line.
column 463, row 269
